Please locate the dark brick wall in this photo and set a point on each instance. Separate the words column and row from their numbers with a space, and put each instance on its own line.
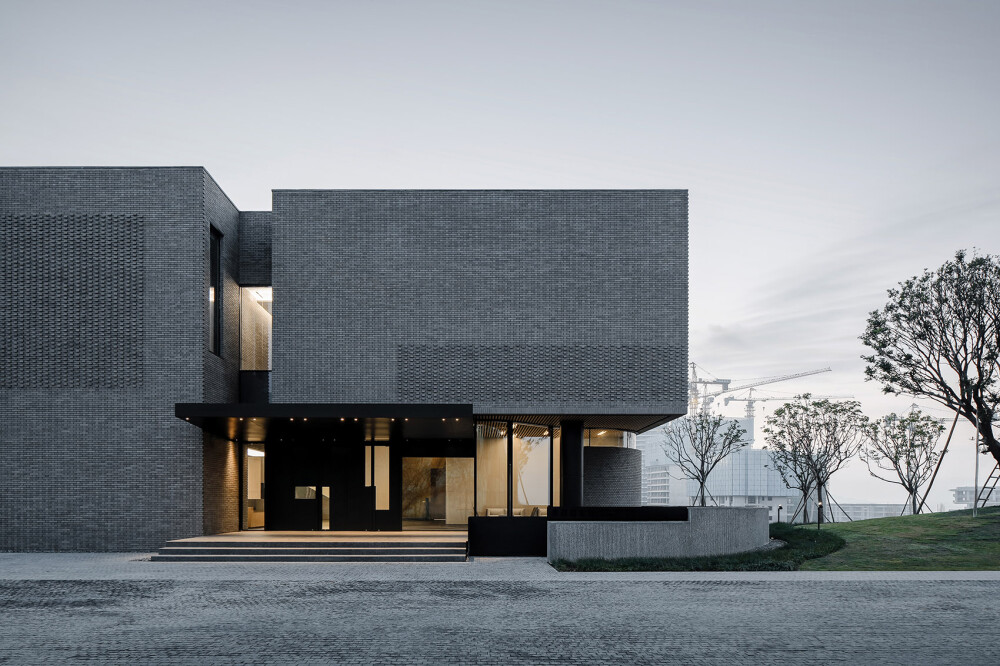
column 92, row 455
column 553, row 302
column 222, row 370
column 523, row 302
column 221, row 486
column 612, row 476
column 255, row 248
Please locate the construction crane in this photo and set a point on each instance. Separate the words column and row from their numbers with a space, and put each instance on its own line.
column 751, row 399
column 703, row 401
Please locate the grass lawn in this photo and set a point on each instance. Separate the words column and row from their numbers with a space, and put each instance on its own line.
column 803, row 543
column 939, row 541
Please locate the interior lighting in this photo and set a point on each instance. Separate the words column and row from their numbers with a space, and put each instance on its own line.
column 263, row 293
column 603, row 432
column 254, row 453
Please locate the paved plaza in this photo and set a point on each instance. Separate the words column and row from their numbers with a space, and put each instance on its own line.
column 122, row 609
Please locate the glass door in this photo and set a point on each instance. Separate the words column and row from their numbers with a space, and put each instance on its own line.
column 437, row 493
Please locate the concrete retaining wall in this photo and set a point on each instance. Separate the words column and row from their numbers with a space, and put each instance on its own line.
column 708, row 531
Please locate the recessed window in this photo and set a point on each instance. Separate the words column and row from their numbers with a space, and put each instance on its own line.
column 305, row 492
column 255, row 327
column 215, row 293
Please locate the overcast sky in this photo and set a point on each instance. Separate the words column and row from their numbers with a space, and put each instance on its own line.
column 831, row 149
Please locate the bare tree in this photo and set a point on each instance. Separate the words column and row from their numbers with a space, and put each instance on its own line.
column 903, row 445
column 790, row 456
column 824, row 434
column 699, row 442
column 939, row 337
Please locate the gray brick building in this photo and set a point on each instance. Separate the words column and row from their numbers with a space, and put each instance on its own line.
column 352, row 359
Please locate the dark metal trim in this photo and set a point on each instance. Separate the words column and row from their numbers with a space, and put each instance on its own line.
column 203, row 410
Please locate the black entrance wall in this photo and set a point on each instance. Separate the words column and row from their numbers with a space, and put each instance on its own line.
column 339, row 466
column 334, row 457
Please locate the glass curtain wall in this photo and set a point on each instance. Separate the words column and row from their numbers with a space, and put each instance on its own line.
column 531, row 470
column 437, row 493
column 491, row 468
column 529, row 478
column 254, row 507
column 608, row 437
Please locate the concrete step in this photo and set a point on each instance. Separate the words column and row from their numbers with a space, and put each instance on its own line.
column 294, row 550
column 312, row 550
column 309, row 558
column 290, row 543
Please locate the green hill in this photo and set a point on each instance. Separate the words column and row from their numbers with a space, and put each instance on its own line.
column 939, row 541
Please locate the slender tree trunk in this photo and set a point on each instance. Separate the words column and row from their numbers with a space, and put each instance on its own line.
column 701, row 491
column 989, row 440
column 913, row 501
column 819, row 505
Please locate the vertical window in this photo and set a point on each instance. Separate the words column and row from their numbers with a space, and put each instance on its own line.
column 215, row 293
column 255, row 327
column 531, row 470
column 491, row 468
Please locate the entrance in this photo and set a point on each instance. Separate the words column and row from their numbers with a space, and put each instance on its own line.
column 347, row 474
column 321, row 486
column 438, row 493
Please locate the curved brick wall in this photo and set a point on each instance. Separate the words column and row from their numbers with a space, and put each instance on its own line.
column 612, row 476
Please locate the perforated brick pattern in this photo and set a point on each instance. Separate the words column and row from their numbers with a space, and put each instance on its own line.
column 71, row 301
column 533, row 374
column 97, row 460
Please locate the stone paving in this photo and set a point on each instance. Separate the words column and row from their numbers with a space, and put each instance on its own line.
column 119, row 608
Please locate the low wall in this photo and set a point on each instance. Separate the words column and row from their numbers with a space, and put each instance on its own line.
column 708, row 531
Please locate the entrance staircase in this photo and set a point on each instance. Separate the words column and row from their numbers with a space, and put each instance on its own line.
column 309, row 547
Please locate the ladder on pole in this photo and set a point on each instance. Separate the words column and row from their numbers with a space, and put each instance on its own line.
column 987, row 489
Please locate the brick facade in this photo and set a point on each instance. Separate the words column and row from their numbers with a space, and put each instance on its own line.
column 612, row 476
column 519, row 302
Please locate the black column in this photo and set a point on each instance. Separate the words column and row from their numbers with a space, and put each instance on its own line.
column 571, row 451
column 510, row 469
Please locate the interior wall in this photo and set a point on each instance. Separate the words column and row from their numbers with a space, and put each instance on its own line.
column 491, row 457
column 459, row 482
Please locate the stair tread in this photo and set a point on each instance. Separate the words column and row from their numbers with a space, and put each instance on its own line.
column 309, row 558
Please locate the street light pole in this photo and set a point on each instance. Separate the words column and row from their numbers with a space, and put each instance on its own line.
column 779, row 513
column 975, row 484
